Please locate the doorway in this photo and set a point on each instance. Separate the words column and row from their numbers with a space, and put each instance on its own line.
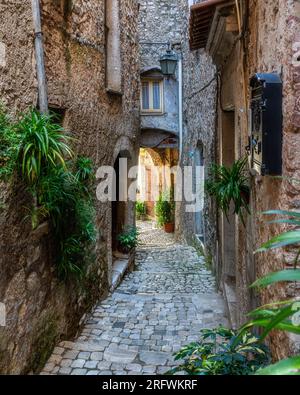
column 228, row 231
column 120, row 211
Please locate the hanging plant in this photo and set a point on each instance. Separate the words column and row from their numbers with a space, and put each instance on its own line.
column 230, row 185
column 37, row 149
column 44, row 144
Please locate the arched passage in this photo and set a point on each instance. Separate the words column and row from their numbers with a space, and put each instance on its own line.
column 158, row 155
column 150, row 180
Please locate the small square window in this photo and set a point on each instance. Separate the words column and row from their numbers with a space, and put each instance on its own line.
column 152, row 96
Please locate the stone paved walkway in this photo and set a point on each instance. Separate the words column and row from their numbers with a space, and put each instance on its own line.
column 156, row 310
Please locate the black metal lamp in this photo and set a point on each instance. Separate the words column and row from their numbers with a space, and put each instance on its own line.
column 168, row 62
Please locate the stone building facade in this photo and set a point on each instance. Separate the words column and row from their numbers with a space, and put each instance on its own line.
column 92, row 70
column 160, row 23
column 160, row 29
column 187, row 116
column 256, row 37
column 199, row 117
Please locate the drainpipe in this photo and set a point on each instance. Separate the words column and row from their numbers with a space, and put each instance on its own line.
column 39, row 56
column 180, row 105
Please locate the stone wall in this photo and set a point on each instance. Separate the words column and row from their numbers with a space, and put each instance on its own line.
column 160, row 23
column 40, row 309
column 274, row 34
column 163, row 21
column 269, row 45
column 199, row 98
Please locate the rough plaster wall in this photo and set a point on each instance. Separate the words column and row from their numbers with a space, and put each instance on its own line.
column 17, row 36
column 113, row 51
column 161, row 21
column 232, row 98
column 199, row 128
column 40, row 309
column 273, row 32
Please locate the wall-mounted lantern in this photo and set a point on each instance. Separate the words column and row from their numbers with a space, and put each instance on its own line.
column 168, row 62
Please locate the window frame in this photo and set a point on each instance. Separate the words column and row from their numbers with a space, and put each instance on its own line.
column 151, row 110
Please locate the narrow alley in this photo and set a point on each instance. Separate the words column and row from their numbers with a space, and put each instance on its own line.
column 157, row 309
column 149, row 189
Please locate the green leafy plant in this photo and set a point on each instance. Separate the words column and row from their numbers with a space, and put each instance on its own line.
column 10, row 141
column 281, row 315
column 230, row 185
column 141, row 209
column 164, row 209
column 65, row 200
column 221, row 352
column 38, row 150
column 43, row 144
column 287, row 367
column 128, row 239
column 84, row 169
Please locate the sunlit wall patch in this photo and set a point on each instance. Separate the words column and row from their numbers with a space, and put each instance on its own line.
column 2, row 314
column 2, row 54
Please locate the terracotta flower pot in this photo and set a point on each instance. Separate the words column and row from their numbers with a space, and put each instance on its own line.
column 169, row 228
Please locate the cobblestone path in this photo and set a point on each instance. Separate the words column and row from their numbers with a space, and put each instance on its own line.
column 156, row 310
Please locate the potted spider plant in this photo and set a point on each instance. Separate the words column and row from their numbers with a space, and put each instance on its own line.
column 230, row 185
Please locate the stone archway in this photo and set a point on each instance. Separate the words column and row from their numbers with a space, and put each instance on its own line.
column 124, row 149
column 156, row 175
column 122, row 211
